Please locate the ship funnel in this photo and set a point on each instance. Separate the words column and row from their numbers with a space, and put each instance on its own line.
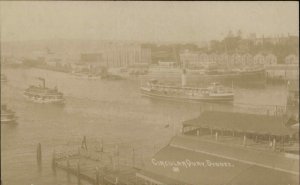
column 43, row 81
column 183, row 78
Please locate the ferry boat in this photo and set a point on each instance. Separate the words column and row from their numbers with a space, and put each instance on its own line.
column 213, row 93
column 43, row 94
column 86, row 75
column 3, row 78
column 7, row 115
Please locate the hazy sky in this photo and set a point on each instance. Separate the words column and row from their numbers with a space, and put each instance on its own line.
column 144, row 21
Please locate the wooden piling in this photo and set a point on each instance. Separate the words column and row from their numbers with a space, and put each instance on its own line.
column 97, row 176
column 283, row 143
column 133, row 157
column 274, row 144
column 245, row 140
column 78, row 172
column 54, row 162
column 68, row 167
column 216, row 136
column 39, row 154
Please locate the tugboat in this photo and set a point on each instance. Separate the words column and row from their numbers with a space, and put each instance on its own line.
column 214, row 93
column 7, row 116
column 3, row 78
column 43, row 94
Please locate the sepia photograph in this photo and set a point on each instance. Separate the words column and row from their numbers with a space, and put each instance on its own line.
column 149, row 93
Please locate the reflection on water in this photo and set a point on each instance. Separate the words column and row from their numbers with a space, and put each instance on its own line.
column 113, row 110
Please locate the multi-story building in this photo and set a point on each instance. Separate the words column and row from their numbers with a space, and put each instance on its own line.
column 126, row 54
column 115, row 55
column 196, row 59
column 291, row 59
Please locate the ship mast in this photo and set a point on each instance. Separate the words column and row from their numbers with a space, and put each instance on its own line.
column 183, row 73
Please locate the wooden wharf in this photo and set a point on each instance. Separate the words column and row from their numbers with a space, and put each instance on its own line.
column 98, row 167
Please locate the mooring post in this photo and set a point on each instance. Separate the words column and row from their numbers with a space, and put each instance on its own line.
column 216, row 136
column 97, row 176
column 68, row 169
column 39, row 154
column 101, row 149
column 54, row 162
column 245, row 140
column 274, row 144
column 133, row 157
column 78, row 172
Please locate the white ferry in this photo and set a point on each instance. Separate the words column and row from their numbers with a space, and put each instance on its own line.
column 43, row 94
column 213, row 93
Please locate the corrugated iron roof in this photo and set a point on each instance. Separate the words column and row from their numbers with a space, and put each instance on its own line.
column 261, row 124
column 236, row 174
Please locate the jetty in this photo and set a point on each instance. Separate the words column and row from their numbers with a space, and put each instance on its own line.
column 98, row 166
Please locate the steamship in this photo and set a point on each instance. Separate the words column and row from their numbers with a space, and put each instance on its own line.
column 43, row 94
column 213, row 93
column 7, row 115
column 86, row 75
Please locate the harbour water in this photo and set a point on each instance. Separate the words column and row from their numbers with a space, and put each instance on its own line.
column 110, row 110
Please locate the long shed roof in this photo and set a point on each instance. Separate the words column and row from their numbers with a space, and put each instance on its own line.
column 261, row 124
column 242, row 168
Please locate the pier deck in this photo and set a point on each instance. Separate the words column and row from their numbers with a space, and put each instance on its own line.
column 96, row 167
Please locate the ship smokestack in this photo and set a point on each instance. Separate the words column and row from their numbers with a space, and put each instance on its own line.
column 183, row 78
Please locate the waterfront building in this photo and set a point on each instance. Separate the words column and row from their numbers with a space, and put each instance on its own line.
column 258, row 59
column 282, row 72
column 190, row 59
column 293, row 93
column 292, row 59
column 126, row 54
column 118, row 55
column 270, row 59
column 197, row 59
column 236, row 148
column 204, row 59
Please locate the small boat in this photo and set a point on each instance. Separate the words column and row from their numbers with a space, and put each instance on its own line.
column 3, row 78
column 43, row 94
column 111, row 77
column 87, row 76
column 7, row 115
column 213, row 93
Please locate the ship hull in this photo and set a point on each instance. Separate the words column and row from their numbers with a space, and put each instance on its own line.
column 86, row 76
column 44, row 101
column 8, row 118
column 219, row 98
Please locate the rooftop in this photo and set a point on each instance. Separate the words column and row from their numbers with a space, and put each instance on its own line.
column 244, row 122
column 193, row 161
